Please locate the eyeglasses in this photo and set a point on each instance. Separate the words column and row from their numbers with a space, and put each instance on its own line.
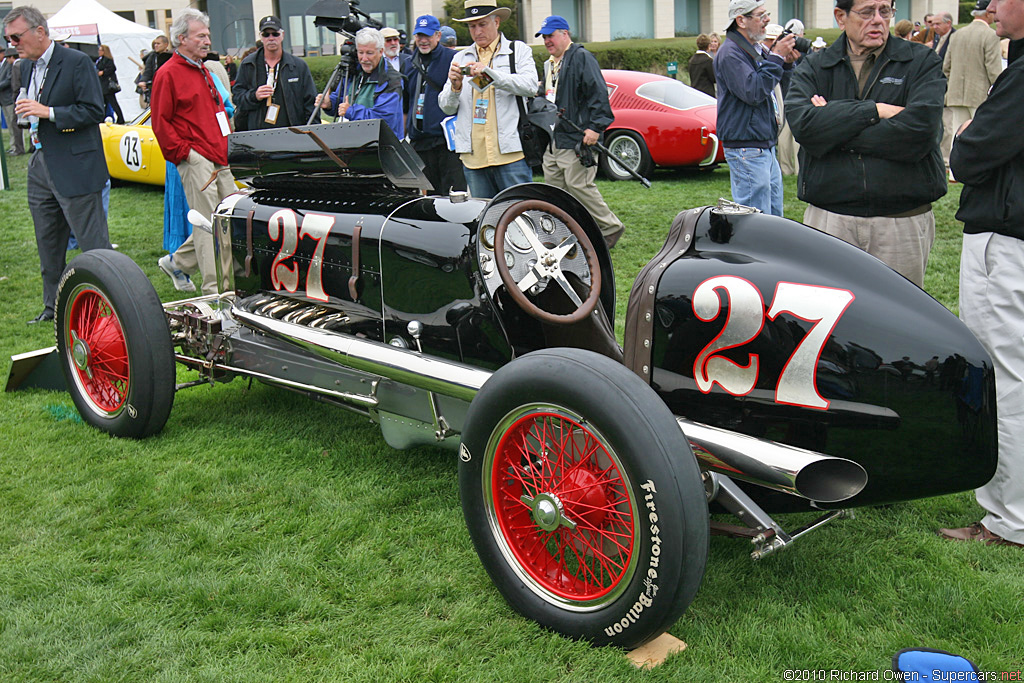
column 763, row 16
column 15, row 38
column 394, row 39
column 268, row 34
column 869, row 13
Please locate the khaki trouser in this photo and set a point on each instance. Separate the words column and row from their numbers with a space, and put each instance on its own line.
column 562, row 169
column 952, row 119
column 197, row 252
column 903, row 244
column 786, row 151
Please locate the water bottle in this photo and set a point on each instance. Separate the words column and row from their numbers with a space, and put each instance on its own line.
column 23, row 121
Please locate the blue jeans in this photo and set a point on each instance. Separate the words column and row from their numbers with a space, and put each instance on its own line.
column 486, row 182
column 756, row 178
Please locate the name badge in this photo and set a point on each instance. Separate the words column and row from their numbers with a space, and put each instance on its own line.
column 419, row 106
column 222, row 121
column 272, row 111
column 480, row 110
column 549, row 94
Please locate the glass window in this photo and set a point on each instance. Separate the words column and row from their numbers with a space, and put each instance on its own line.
column 673, row 94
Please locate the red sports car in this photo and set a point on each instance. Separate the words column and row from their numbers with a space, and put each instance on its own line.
column 659, row 121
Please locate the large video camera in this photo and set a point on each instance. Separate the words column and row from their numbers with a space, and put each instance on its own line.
column 345, row 18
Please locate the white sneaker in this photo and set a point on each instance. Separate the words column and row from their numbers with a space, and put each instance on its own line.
column 181, row 281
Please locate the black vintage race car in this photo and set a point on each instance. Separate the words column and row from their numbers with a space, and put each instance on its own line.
column 766, row 366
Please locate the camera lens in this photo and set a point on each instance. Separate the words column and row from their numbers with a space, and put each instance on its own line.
column 467, row 71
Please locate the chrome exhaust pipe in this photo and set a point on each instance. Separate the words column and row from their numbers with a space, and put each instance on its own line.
column 445, row 377
column 798, row 471
column 804, row 473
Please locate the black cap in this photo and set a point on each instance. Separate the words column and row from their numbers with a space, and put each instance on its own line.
column 981, row 6
column 270, row 22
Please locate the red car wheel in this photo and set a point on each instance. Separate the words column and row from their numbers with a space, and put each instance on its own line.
column 114, row 345
column 582, row 497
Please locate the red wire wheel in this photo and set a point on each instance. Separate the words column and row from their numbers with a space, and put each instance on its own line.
column 114, row 345
column 561, row 508
column 99, row 353
column 582, row 497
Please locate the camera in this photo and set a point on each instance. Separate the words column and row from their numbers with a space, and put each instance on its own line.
column 802, row 44
column 467, row 70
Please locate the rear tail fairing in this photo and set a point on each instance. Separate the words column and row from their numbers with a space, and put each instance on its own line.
column 776, row 330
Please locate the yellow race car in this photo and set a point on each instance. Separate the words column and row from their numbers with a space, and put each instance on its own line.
column 132, row 151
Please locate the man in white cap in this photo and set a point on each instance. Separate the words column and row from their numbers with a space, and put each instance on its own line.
column 573, row 81
column 487, row 127
column 749, row 113
column 393, row 54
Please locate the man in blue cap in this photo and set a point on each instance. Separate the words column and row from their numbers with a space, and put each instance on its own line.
column 573, row 81
column 425, row 75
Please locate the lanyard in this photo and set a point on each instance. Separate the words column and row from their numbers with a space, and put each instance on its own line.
column 35, row 85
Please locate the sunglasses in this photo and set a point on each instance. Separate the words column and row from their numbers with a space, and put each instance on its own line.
column 15, row 38
column 268, row 34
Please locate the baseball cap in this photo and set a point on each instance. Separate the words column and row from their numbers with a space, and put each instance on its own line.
column 447, row 32
column 552, row 24
column 271, row 22
column 427, row 25
column 980, row 6
column 389, row 32
column 740, row 7
column 772, row 31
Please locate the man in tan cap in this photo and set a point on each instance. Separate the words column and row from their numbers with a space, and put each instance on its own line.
column 497, row 71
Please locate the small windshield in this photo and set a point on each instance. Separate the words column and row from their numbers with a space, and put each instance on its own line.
column 673, row 94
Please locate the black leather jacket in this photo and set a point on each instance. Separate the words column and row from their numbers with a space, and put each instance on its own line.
column 851, row 161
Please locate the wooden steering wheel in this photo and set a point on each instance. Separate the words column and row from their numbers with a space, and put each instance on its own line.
column 547, row 265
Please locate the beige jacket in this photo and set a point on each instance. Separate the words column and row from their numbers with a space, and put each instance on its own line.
column 972, row 64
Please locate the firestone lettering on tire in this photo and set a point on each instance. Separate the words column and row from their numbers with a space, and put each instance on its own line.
column 645, row 599
column 464, row 454
column 64, row 278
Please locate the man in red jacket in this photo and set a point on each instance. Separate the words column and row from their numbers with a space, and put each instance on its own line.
column 191, row 126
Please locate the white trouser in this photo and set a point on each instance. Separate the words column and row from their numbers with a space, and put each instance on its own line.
column 992, row 306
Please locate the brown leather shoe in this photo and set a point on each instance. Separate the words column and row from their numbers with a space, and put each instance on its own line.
column 976, row 532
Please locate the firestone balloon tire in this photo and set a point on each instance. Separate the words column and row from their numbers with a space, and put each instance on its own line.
column 583, row 498
column 114, row 345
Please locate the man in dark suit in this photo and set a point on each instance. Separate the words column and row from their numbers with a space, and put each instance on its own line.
column 67, row 172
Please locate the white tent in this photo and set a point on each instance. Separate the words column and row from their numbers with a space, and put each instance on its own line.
column 83, row 18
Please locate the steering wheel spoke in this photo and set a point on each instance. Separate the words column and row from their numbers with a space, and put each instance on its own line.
column 529, row 280
column 559, row 277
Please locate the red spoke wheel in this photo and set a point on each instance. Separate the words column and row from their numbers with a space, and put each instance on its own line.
column 583, row 498
column 114, row 345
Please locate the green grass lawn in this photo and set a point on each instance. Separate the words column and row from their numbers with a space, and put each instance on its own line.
column 266, row 537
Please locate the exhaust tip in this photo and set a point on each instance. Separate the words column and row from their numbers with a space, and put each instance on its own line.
column 831, row 480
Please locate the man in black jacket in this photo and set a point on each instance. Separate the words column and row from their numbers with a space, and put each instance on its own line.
column 988, row 158
column 573, row 81
column 425, row 76
column 273, row 89
column 867, row 112
column 67, row 172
